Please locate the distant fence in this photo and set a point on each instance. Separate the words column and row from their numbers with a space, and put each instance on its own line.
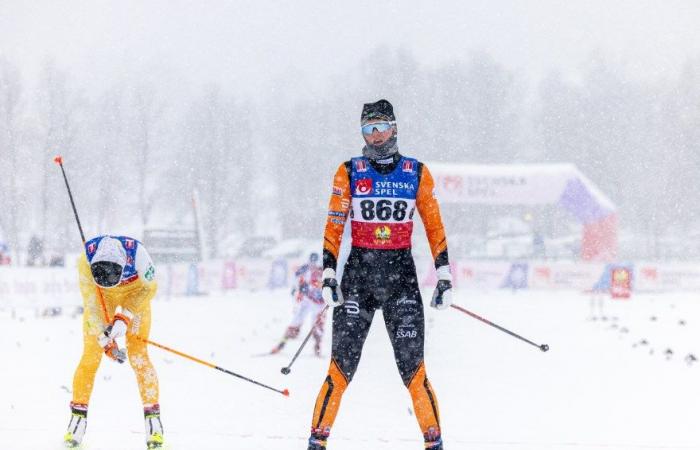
column 34, row 287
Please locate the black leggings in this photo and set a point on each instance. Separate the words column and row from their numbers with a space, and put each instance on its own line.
column 375, row 279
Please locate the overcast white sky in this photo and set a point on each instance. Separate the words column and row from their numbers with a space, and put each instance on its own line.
column 248, row 44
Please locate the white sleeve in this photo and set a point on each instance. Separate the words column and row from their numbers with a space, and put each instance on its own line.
column 144, row 265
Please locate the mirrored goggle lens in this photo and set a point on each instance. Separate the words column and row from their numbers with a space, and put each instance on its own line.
column 379, row 126
column 107, row 274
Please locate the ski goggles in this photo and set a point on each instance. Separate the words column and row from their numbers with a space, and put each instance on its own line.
column 379, row 126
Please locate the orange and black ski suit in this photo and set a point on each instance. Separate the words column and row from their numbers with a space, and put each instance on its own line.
column 380, row 200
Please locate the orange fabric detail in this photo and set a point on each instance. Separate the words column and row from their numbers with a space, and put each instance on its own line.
column 429, row 211
column 338, row 208
column 123, row 318
column 328, row 400
column 425, row 403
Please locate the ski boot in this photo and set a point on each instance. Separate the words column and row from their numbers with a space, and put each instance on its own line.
column 433, row 440
column 279, row 347
column 76, row 427
column 154, row 427
column 318, row 439
column 316, row 445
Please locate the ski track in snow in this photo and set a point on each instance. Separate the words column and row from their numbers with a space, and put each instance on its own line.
column 597, row 388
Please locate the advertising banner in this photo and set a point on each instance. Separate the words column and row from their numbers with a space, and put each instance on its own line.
column 655, row 277
column 565, row 275
column 40, row 287
column 34, row 287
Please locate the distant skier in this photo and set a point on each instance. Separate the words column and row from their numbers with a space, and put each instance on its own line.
column 309, row 302
column 5, row 259
column 122, row 270
column 380, row 191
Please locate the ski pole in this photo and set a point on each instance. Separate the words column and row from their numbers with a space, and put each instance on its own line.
column 286, row 370
column 59, row 160
column 284, row 392
column 543, row 347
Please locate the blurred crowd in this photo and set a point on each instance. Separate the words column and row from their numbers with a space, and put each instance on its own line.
column 36, row 256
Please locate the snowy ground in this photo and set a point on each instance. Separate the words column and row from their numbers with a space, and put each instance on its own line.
column 598, row 387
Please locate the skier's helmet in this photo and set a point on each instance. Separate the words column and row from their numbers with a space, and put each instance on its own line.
column 107, row 265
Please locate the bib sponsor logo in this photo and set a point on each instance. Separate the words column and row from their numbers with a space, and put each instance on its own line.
column 91, row 248
column 363, row 186
column 406, row 301
column 382, row 233
column 408, row 166
column 404, row 334
column 361, row 166
column 337, row 191
column 129, row 243
column 392, row 188
column 352, row 307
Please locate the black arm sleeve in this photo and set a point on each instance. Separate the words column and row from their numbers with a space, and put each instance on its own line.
column 442, row 259
column 329, row 261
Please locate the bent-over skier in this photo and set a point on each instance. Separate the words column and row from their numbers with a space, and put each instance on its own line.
column 119, row 271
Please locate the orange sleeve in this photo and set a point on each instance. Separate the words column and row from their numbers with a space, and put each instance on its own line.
column 338, row 208
column 429, row 211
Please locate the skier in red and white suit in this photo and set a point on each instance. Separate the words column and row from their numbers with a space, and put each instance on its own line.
column 309, row 302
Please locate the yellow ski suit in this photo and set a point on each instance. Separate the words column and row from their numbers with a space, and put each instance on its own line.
column 134, row 296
